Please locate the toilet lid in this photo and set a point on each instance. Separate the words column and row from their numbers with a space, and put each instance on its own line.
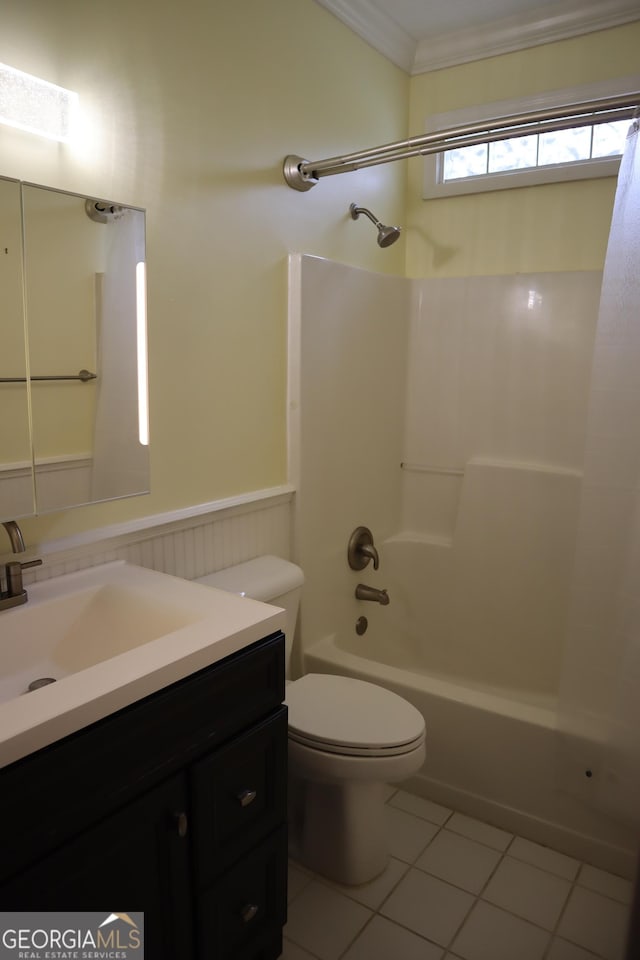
column 342, row 712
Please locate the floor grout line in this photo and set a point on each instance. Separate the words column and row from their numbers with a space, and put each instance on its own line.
column 573, row 883
column 562, row 912
column 479, row 894
column 353, row 939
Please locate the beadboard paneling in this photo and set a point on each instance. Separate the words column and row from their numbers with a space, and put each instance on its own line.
column 187, row 548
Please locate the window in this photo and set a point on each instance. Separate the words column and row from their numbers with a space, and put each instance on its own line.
column 573, row 154
column 527, row 153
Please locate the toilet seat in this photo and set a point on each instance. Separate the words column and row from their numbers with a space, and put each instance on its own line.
column 351, row 717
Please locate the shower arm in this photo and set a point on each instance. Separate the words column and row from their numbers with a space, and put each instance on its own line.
column 301, row 174
column 356, row 211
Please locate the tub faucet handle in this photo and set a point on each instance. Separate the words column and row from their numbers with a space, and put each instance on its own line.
column 368, row 550
column 361, row 549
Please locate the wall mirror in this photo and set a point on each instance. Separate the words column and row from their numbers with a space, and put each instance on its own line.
column 73, row 422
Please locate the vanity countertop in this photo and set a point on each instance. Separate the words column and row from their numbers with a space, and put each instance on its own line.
column 179, row 628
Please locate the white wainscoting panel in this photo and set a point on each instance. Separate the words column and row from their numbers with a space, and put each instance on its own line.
column 224, row 533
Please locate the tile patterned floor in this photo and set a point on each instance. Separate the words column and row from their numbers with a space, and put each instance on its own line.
column 459, row 889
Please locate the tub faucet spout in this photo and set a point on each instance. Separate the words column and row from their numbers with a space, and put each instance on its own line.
column 363, row 592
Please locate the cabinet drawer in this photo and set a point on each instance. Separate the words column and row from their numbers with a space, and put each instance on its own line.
column 238, row 796
column 240, row 917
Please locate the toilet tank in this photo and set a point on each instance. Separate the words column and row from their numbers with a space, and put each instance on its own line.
column 269, row 579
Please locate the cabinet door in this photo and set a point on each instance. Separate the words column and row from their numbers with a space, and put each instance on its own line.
column 135, row 860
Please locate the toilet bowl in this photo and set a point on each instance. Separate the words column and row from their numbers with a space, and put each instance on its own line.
column 347, row 739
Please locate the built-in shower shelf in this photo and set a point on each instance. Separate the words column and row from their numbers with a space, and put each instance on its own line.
column 430, row 539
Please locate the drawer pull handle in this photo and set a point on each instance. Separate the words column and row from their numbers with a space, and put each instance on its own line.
column 248, row 912
column 245, row 797
column 182, row 824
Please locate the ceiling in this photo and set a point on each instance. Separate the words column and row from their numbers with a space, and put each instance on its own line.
column 423, row 35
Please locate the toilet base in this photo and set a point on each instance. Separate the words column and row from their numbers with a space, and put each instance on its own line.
column 338, row 829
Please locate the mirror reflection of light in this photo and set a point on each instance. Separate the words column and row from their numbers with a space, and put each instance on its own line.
column 141, row 330
column 534, row 299
column 36, row 106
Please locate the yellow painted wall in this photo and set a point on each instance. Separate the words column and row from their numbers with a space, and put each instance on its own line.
column 553, row 227
column 188, row 110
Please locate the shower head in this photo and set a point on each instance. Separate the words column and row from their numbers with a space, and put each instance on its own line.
column 386, row 235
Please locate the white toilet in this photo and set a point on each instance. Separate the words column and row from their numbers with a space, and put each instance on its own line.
column 347, row 739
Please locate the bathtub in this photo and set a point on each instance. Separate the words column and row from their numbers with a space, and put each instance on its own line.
column 492, row 747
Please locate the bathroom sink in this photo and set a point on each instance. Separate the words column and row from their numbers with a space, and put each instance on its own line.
column 63, row 635
column 108, row 636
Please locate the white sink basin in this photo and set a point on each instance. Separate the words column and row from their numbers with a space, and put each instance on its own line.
column 65, row 634
column 109, row 636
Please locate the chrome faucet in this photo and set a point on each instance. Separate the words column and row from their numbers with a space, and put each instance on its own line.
column 363, row 592
column 15, row 594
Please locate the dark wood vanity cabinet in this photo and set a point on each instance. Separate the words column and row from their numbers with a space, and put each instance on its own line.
column 175, row 806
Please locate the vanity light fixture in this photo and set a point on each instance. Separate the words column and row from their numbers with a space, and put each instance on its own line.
column 35, row 105
column 141, row 327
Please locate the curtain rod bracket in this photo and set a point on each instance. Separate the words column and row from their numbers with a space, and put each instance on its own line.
column 295, row 176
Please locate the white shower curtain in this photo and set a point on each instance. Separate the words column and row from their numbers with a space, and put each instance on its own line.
column 599, row 707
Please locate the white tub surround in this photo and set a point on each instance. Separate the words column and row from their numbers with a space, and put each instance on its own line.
column 457, row 437
column 347, row 372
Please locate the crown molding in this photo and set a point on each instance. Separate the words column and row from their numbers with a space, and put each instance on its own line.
column 558, row 21
column 376, row 28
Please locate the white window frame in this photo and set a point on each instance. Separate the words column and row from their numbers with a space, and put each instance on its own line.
column 434, row 186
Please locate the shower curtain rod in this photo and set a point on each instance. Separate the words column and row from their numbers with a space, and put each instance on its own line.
column 301, row 174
